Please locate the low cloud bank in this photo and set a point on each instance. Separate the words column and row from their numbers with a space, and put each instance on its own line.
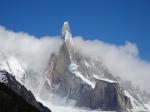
column 122, row 60
column 33, row 50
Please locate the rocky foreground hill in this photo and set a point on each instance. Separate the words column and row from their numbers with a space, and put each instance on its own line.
column 14, row 97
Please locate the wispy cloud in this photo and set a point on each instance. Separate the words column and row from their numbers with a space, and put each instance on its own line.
column 122, row 60
column 31, row 49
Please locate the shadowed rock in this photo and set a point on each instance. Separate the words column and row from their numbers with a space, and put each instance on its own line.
column 16, row 98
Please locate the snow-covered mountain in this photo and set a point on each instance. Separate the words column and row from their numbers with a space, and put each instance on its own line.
column 75, row 80
column 86, row 81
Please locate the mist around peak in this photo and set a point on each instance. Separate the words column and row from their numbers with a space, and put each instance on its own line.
column 122, row 60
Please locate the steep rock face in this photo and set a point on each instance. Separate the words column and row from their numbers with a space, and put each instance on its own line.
column 110, row 96
column 16, row 98
column 58, row 65
column 84, row 80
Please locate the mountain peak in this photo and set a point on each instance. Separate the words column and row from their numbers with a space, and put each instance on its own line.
column 66, row 33
column 67, row 39
column 65, row 28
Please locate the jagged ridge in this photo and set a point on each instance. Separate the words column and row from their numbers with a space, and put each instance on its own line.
column 73, row 80
column 14, row 97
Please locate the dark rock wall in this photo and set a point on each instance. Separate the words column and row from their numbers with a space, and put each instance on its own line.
column 14, row 97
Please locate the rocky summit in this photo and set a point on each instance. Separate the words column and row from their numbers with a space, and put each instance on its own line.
column 69, row 80
column 80, row 78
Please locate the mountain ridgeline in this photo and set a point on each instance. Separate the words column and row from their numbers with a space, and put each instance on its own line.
column 85, row 80
column 70, row 78
column 14, row 97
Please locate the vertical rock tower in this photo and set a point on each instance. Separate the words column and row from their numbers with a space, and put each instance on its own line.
column 58, row 64
column 68, row 76
column 68, row 41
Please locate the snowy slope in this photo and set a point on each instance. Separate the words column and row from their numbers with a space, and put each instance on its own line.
column 12, row 92
column 136, row 105
column 74, row 69
column 12, row 66
column 22, row 72
column 56, row 108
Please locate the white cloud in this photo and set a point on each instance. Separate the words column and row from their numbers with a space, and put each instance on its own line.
column 122, row 60
column 31, row 49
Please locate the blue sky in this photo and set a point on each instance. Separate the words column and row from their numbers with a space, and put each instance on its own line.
column 113, row 21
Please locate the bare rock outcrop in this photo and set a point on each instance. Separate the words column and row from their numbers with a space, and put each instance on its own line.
column 75, row 76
